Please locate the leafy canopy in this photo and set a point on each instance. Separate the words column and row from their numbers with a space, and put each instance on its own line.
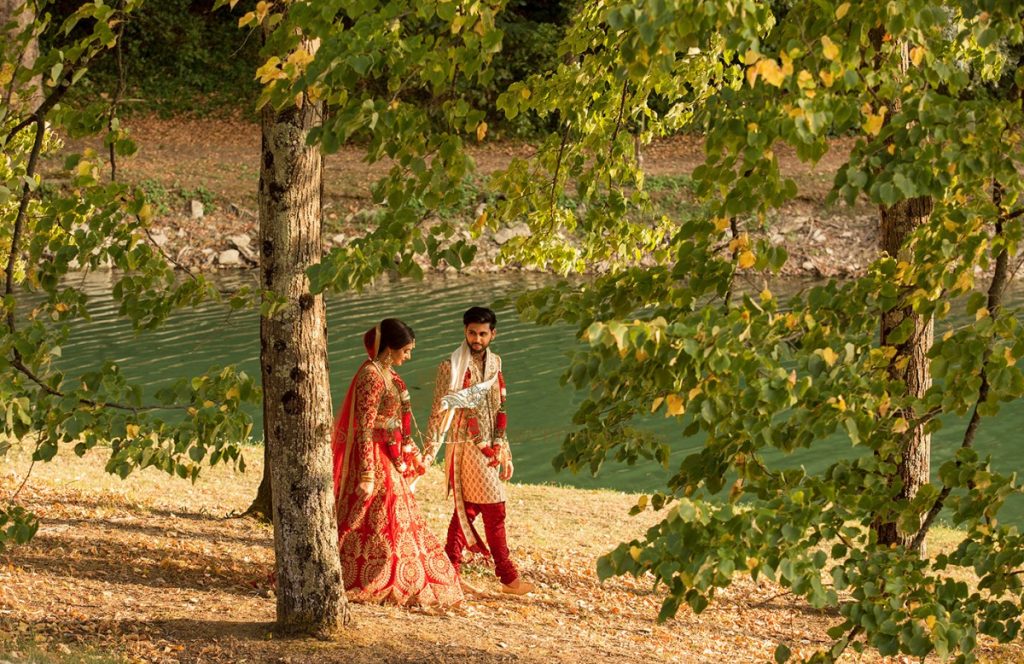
column 928, row 94
column 49, row 228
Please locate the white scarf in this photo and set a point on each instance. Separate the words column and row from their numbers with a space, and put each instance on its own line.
column 459, row 365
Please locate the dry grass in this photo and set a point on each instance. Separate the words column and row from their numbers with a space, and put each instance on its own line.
column 150, row 569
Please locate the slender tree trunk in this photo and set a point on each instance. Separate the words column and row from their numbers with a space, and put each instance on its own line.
column 297, row 397
column 910, row 363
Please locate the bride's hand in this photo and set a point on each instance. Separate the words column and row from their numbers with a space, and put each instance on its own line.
column 366, row 488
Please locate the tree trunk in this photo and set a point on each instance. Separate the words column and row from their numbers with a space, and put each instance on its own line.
column 262, row 505
column 297, row 397
column 910, row 363
column 30, row 98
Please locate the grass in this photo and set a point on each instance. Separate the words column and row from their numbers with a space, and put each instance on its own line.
column 152, row 569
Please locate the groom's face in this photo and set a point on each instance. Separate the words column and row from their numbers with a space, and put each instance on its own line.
column 479, row 336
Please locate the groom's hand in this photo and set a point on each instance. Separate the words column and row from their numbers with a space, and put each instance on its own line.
column 506, row 470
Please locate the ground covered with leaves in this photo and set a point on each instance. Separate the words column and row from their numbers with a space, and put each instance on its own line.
column 154, row 569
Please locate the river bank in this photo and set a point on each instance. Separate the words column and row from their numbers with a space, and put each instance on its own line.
column 151, row 569
column 202, row 176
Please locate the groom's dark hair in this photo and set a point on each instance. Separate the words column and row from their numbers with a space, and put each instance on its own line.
column 479, row 315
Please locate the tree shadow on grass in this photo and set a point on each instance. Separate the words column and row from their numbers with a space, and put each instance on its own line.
column 137, row 561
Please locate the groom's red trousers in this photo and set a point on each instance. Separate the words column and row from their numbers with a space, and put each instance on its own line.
column 494, row 528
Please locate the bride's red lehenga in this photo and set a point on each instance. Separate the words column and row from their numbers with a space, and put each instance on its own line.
column 387, row 553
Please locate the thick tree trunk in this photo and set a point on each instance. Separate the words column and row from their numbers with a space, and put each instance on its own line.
column 910, row 363
column 297, row 397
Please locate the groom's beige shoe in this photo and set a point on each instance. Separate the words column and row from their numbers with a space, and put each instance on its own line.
column 468, row 589
column 518, row 587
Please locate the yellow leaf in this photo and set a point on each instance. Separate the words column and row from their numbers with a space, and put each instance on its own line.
column 873, row 123
column 766, row 295
column 826, row 77
column 841, row 10
column 751, row 57
column 916, row 55
column 900, row 426
column 246, row 19
column 232, row 393
column 132, row 430
column 262, row 9
column 635, row 551
column 981, row 313
column 746, row 260
column 270, row 70
column 674, row 405
column 829, row 356
column 6, row 73
column 1008, row 356
column 299, row 58
column 657, row 402
column 478, row 225
column 721, row 223
column 828, row 48
column 787, row 64
column 791, row 378
column 192, row 411
column 841, row 404
column 524, row 92
column 752, row 562
column 891, row 149
column 60, row 307
column 770, row 71
column 741, row 242
column 207, row 404
column 752, row 73
column 481, row 131
column 146, row 213
column 692, row 394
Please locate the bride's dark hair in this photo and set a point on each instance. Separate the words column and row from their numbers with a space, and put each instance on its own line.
column 394, row 334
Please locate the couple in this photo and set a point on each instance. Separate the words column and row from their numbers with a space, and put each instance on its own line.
column 387, row 554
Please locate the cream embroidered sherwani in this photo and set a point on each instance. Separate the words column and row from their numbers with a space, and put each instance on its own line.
column 467, row 469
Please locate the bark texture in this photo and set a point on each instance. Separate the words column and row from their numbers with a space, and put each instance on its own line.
column 297, row 398
column 910, row 363
column 30, row 97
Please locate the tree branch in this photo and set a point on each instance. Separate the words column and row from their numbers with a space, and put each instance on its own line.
column 19, row 221
column 558, row 166
column 20, row 366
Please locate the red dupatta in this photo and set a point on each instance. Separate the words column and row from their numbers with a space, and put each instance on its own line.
column 342, row 436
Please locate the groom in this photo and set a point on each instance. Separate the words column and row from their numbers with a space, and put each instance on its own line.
column 478, row 459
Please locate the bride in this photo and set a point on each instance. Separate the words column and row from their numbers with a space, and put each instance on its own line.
column 387, row 553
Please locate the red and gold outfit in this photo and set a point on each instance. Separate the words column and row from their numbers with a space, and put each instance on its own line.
column 475, row 450
column 387, row 553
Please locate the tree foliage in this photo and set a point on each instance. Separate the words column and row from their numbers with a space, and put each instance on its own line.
column 922, row 89
column 75, row 219
column 372, row 59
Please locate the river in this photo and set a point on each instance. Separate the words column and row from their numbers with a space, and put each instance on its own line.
column 540, row 409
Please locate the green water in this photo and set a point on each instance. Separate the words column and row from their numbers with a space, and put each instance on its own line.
column 540, row 409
